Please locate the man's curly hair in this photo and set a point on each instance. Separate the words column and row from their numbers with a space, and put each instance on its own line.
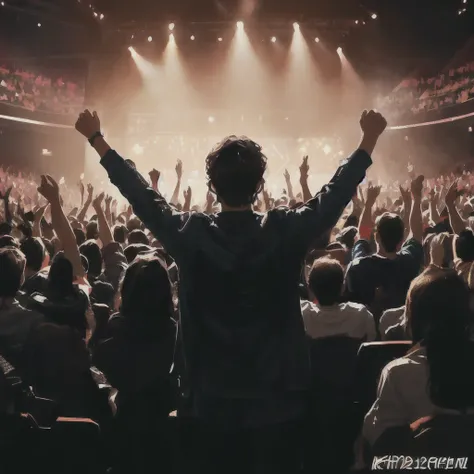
column 235, row 169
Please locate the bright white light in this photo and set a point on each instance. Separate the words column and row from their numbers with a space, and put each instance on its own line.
column 46, row 152
column 316, row 39
column 327, row 149
column 3, row 4
column 296, row 26
column 133, row 36
column 211, row 119
column 150, row 39
column 240, row 25
column 95, row 14
column 171, row 38
column 132, row 50
column 356, row 22
column 101, row 17
column 193, row 38
column 339, row 50
column 273, row 40
column 137, row 149
column 374, row 16
column 464, row 1
column 469, row 129
column 39, row 25
column 219, row 39
column 171, row 26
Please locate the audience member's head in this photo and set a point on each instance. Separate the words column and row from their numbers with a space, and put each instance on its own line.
column 92, row 252
column 465, row 246
column 60, row 277
column 146, row 303
column 5, row 228
column 102, row 293
column 120, row 234
column 35, row 252
column 138, row 237
column 9, row 241
column 325, row 281
column 347, row 237
column 92, row 231
column 12, row 272
column 235, row 169
column 80, row 236
column 389, row 232
column 132, row 251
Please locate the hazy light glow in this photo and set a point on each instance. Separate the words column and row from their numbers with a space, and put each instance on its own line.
column 316, row 40
column 296, row 27
column 469, row 129
column 273, row 40
column 192, row 38
column 339, row 50
column 211, row 119
column 171, row 26
column 39, row 25
column 240, row 25
column 219, row 39
column 150, row 39
column 101, row 17
column 374, row 16
column 327, row 149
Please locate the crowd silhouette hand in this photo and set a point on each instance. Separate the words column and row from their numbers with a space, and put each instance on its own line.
column 453, row 193
column 88, row 123
column 187, row 193
column 286, row 174
column 304, row 168
column 49, row 189
column 372, row 123
column 97, row 202
column 373, row 192
column 210, row 198
column 6, row 195
column 417, row 186
column 90, row 191
column 406, row 196
column 154, row 175
column 179, row 169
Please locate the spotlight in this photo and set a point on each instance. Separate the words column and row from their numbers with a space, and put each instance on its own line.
column 219, row 39
column 150, row 39
column 273, row 40
column 469, row 129
column 316, row 40
column 356, row 22
column 193, row 38
column 172, row 37
column 296, row 26
column 133, row 36
column 171, row 26
column 39, row 25
column 2, row 4
column 211, row 119
column 240, row 25
column 374, row 16
column 95, row 14
column 339, row 50
column 101, row 17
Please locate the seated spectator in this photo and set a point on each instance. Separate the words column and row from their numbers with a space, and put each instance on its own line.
column 16, row 322
column 63, row 302
column 415, row 386
column 327, row 316
column 58, row 368
column 37, row 258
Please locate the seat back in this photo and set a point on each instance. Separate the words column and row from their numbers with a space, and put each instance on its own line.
column 371, row 359
column 333, row 367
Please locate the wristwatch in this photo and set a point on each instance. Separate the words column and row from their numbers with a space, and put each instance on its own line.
column 92, row 139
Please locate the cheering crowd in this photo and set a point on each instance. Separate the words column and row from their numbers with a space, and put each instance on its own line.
column 39, row 92
column 246, row 335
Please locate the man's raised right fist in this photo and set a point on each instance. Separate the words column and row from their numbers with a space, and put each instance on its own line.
column 372, row 123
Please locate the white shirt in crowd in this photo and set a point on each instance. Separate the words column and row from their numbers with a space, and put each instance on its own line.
column 344, row 319
column 390, row 318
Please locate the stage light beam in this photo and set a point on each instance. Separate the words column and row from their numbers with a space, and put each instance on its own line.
column 240, row 25
column 171, row 26
column 296, row 26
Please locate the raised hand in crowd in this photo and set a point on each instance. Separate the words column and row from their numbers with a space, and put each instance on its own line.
column 187, row 194
column 154, row 178
column 304, row 174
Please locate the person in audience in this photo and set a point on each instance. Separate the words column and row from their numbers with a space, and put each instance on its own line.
column 37, row 258
column 244, row 344
column 439, row 322
column 137, row 360
column 381, row 280
column 16, row 322
column 327, row 316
